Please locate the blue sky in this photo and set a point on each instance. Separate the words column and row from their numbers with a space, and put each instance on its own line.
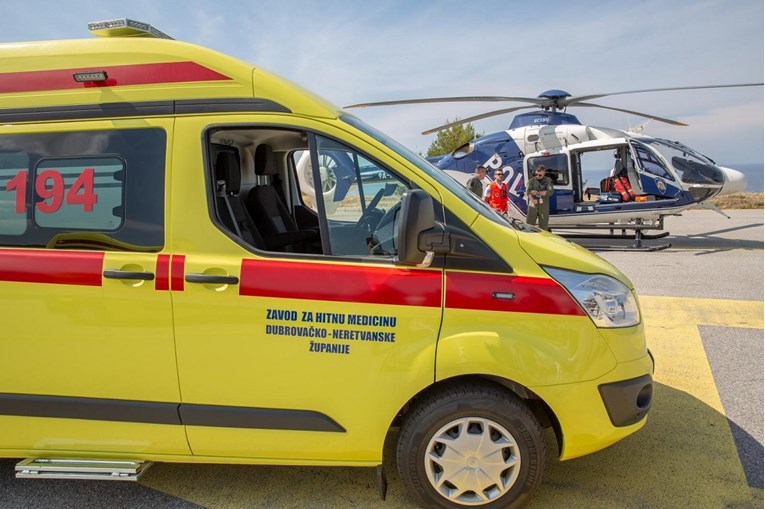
column 359, row 51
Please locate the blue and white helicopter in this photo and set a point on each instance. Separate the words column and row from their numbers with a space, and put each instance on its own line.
column 665, row 177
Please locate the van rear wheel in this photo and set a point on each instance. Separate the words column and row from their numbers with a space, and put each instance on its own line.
column 472, row 445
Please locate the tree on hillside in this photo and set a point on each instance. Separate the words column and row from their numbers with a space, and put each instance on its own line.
column 451, row 138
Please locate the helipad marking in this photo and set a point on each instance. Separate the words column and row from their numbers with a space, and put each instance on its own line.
column 685, row 456
column 670, row 319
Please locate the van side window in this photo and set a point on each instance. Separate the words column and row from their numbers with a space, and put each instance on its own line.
column 268, row 194
column 99, row 190
column 361, row 199
column 79, row 193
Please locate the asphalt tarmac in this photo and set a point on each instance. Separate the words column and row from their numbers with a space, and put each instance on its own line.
column 710, row 256
column 702, row 302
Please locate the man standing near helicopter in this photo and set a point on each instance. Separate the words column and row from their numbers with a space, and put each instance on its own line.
column 496, row 193
column 539, row 189
column 475, row 183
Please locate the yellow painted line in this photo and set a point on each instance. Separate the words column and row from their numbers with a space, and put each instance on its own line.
column 674, row 311
column 685, row 456
column 673, row 337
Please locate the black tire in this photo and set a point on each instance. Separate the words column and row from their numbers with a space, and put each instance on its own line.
column 460, row 415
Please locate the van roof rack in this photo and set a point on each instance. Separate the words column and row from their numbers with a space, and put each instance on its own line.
column 125, row 28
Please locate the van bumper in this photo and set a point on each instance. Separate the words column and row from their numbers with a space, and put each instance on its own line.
column 627, row 402
column 597, row 413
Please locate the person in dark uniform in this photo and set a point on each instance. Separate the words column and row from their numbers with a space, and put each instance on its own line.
column 475, row 183
column 539, row 189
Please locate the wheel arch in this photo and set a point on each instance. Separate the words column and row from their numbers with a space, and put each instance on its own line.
column 537, row 405
column 440, row 418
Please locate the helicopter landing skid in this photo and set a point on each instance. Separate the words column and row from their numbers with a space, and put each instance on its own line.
column 637, row 237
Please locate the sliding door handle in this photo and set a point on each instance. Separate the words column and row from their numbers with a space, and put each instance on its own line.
column 128, row 274
column 212, row 280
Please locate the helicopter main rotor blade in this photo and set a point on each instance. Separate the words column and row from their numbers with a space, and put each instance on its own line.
column 475, row 117
column 532, row 100
column 570, row 101
column 646, row 115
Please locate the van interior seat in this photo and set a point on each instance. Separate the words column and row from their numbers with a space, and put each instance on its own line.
column 231, row 210
column 270, row 213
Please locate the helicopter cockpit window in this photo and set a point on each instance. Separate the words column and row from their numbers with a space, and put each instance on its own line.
column 555, row 165
column 650, row 162
column 692, row 167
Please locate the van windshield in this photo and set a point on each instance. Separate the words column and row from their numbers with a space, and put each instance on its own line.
column 441, row 177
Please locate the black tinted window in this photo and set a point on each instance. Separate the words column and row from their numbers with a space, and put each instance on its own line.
column 88, row 190
column 555, row 166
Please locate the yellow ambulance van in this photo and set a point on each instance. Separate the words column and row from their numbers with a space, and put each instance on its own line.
column 201, row 262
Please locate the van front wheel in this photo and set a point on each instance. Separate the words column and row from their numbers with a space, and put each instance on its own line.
column 472, row 445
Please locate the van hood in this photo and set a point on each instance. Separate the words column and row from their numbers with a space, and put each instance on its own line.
column 552, row 250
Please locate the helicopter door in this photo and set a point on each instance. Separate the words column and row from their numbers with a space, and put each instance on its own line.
column 655, row 178
column 559, row 171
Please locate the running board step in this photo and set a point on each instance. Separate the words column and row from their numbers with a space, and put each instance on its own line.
column 66, row 468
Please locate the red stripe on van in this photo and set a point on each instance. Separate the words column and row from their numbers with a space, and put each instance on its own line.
column 340, row 283
column 118, row 75
column 162, row 277
column 51, row 267
column 177, row 266
column 529, row 294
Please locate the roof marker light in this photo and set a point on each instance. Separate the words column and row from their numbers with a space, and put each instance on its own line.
column 125, row 28
column 94, row 76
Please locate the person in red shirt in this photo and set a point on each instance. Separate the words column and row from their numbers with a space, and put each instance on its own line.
column 496, row 193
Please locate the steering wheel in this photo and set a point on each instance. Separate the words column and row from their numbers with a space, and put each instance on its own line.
column 384, row 233
column 364, row 220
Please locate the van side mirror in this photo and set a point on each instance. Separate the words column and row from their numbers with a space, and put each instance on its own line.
column 420, row 238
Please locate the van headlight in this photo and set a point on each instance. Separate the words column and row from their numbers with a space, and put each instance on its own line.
column 608, row 302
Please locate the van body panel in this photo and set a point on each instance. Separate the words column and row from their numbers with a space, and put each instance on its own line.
column 553, row 251
column 71, row 331
column 114, row 335
column 583, row 419
column 138, row 70
column 26, row 436
column 269, row 333
column 507, row 245
column 268, row 347
column 529, row 348
column 624, row 343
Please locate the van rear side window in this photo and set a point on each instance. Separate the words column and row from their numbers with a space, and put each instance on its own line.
column 85, row 190
column 79, row 193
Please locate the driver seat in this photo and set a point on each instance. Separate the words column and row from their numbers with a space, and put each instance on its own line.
column 270, row 214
